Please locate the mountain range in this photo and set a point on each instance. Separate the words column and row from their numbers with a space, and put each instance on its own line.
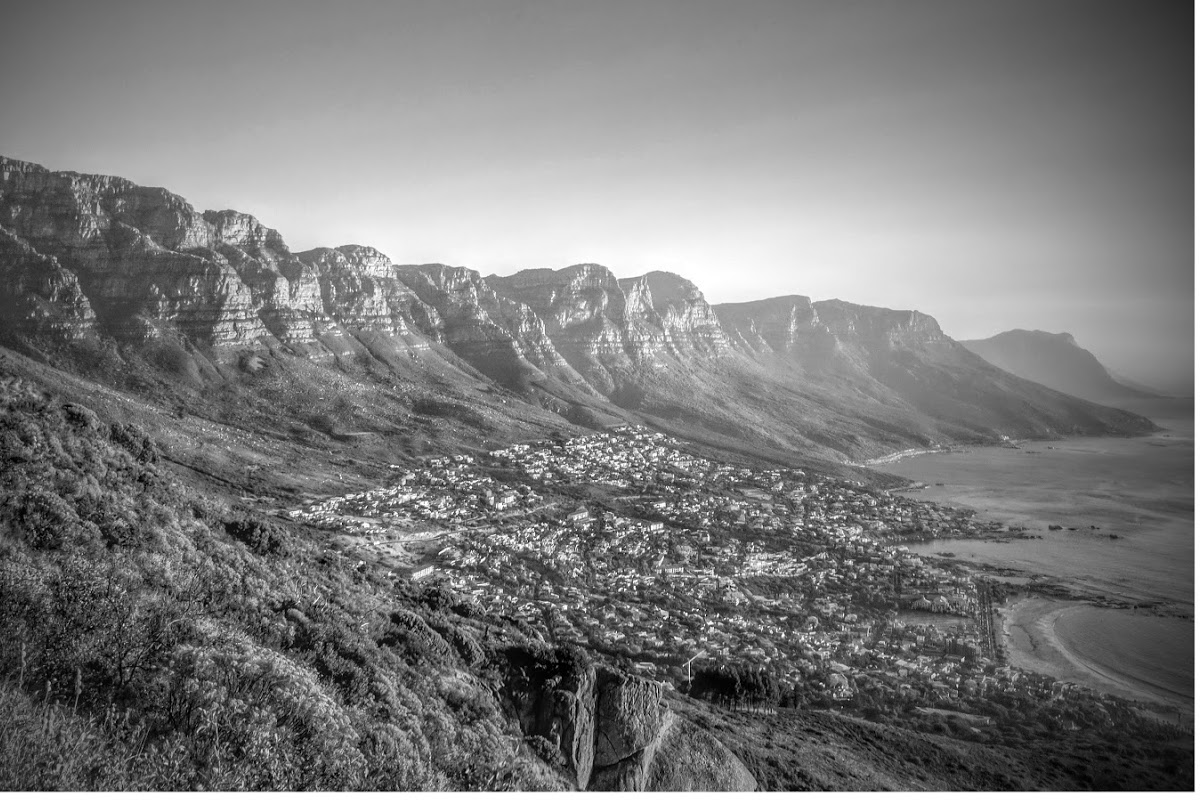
column 132, row 286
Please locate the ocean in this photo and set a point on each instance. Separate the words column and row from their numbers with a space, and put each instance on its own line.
column 1153, row 653
column 1131, row 503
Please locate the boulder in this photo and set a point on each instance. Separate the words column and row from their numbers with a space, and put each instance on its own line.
column 680, row 757
column 689, row 759
column 629, row 713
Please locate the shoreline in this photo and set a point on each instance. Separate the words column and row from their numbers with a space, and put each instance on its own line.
column 1007, row 444
column 1044, row 519
column 970, row 447
column 1031, row 643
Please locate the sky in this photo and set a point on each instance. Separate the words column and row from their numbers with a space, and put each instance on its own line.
column 997, row 164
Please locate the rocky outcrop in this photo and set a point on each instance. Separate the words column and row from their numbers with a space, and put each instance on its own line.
column 613, row 732
column 688, row 759
column 629, row 714
column 559, row 705
column 643, row 746
column 674, row 756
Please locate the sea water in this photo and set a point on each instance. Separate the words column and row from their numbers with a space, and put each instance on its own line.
column 1131, row 502
column 1150, row 652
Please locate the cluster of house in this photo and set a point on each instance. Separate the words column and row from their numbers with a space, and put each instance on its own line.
column 797, row 572
column 447, row 490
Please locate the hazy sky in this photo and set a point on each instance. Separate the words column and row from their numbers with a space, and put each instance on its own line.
column 999, row 164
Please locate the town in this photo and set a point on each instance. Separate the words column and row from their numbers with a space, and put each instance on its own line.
column 624, row 543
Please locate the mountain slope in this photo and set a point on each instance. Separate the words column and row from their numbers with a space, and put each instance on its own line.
column 191, row 302
column 1057, row 361
column 898, row 372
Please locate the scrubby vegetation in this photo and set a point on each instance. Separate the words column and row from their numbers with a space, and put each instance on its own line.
column 813, row 750
column 157, row 638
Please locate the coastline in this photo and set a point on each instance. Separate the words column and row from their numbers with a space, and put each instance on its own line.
column 1005, row 444
column 1104, row 517
column 1031, row 643
column 891, row 458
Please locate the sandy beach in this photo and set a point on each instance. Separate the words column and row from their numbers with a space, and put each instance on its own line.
column 1031, row 643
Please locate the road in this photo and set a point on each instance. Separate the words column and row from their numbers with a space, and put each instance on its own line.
column 987, row 618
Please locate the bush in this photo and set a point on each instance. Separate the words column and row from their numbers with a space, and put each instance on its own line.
column 438, row 596
column 45, row 520
column 135, row 440
column 546, row 750
column 262, row 537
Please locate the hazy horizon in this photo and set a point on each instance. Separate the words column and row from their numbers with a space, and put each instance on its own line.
column 997, row 165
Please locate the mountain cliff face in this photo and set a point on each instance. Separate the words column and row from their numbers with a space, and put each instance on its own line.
column 587, row 319
column 502, row 338
column 38, row 296
column 778, row 325
column 94, row 256
column 1054, row 360
column 674, row 304
column 151, row 265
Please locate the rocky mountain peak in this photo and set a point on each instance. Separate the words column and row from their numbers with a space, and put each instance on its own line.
column 669, row 289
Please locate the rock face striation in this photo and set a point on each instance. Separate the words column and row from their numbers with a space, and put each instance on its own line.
column 38, row 296
column 96, row 256
column 502, row 338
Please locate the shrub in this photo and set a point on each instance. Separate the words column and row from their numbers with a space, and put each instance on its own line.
column 262, row 537
column 135, row 440
column 44, row 520
column 546, row 750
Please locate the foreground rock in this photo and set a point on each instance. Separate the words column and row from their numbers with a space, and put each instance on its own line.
column 610, row 731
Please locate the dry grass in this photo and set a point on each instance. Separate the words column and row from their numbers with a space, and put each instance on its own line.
column 49, row 747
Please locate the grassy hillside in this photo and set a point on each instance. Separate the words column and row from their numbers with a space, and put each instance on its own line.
column 156, row 637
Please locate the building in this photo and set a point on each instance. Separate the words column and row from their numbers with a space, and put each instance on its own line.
column 419, row 572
